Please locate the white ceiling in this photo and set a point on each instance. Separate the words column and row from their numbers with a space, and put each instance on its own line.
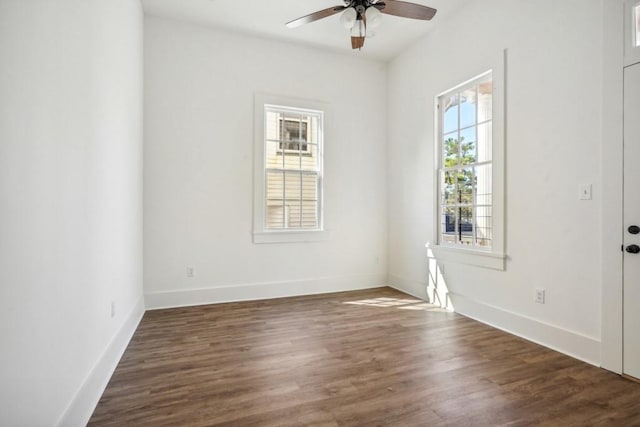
column 266, row 18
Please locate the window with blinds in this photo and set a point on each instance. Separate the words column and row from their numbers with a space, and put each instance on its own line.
column 465, row 165
column 292, row 168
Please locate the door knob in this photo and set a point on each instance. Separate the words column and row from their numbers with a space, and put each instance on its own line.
column 634, row 229
column 632, row 249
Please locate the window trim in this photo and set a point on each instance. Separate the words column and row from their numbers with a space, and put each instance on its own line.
column 260, row 233
column 495, row 257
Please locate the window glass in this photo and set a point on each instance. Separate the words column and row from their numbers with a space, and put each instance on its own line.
column 292, row 168
column 465, row 183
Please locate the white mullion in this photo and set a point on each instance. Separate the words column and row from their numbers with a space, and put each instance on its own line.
column 284, row 175
column 458, row 223
column 320, row 170
column 474, row 218
column 300, row 165
column 441, row 171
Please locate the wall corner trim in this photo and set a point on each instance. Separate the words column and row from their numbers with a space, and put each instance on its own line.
column 86, row 399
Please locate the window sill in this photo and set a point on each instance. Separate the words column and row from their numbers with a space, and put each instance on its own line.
column 492, row 260
column 290, row 236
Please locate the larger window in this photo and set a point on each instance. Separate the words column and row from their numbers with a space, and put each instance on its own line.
column 465, row 165
column 288, row 184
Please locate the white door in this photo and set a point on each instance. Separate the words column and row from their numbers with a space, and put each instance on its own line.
column 631, row 269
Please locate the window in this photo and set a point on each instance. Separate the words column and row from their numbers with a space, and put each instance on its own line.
column 465, row 172
column 469, row 168
column 288, row 182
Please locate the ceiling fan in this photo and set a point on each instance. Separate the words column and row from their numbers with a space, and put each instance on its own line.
column 357, row 15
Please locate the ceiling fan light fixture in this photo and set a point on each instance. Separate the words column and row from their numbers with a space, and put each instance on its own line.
column 348, row 17
column 359, row 29
column 374, row 17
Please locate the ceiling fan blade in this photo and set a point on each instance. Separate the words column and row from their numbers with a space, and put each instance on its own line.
column 406, row 10
column 357, row 42
column 315, row 16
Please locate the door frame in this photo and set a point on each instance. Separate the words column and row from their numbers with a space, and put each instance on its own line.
column 615, row 45
column 612, row 182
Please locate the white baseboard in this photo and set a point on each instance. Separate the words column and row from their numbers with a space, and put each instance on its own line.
column 259, row 291
column 84, row 403
column 568, row 342
column 565, row 341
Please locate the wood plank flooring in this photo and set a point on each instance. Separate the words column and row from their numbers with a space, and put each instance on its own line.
column 366, row 358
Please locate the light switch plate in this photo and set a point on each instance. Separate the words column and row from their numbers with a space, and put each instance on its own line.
column 584, row 191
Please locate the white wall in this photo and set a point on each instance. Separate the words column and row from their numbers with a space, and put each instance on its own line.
column 554, row 115
column 199, row 90
column 70, row 202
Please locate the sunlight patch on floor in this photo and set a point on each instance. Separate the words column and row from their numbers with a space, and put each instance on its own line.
column 401, row 303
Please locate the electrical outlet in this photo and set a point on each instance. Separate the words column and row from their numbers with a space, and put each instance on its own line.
column 539, row 297
column 113, row 309
column 191, row 271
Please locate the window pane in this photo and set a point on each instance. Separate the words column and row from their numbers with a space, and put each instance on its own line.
column 468, row 107
column 483, row 185
column 292, row 186
column 272, row 121
column 448, row 225
column 451, row 150
column 274, row 202
column 465, row 225
column 292, row 213
column 309, row 159
column 272, row 155
column 275, row 185
column 301, row 214
column 310, row 187
column 484, row 226
column 485, row 142
column 465, row 185
column 291, row 159
column 275, row 216
column 450, row 114
column 449, row 194
column 468, row 146
column 309, row 214
column 485, row 96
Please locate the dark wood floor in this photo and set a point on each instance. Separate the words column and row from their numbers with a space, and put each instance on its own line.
column 365, row 358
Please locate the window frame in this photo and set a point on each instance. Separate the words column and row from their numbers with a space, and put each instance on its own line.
column 494, row 257
column 260, row 232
